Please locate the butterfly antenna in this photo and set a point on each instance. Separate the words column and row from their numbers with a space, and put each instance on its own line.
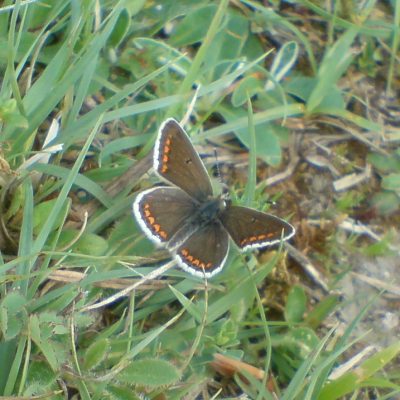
column 225, row 189
column 186, row 117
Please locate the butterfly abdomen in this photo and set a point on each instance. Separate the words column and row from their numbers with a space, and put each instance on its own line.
column 207, row 213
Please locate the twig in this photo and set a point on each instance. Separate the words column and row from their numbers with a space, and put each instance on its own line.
column 152, row 275
column 348, row 365
column 378, row 284
column 308, row 268
column 68, row 276
column 351, row 180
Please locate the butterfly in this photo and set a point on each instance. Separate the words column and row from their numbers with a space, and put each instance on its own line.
column 188, row 220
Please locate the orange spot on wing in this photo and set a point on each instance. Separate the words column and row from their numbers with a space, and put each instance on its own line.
column 150, row 219
column 184, row 252
column 195, row 262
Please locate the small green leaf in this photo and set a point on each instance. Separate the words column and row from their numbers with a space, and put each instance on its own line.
column 295, row 305
column 44, row 344
column 380, row 248
column 34, row 327
column 283, row 62
column 91, row 244
column 229, row 42
column 88, row 243
column 353, row 380
column 7, row 107
column 135, row 6
column 16, row 203
column 301, row 341
column 150, row 373
column 386, row 202
column 117, row 146
column 322, row 310
column 267, row 141
column 52, row 324
column 391, row 182
column 96, row 353
column 67, row 236
column 14, row 302
column 40, row 373
column 191, row 308
column 334, row 101
column 194, row 26
column 122, row 393
column 10, row 114
column 121, row 28
column 3, row 320
column 10, row 325
column 13, row 315
column 249, row 86
column 383, row 163
column 227, row 334
column 41, row 214
column 301, row 86
column 336, row 61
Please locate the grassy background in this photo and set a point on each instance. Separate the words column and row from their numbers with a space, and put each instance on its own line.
column 302, row 104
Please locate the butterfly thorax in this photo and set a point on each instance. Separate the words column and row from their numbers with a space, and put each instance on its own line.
column 206, row 213
column 210, row 209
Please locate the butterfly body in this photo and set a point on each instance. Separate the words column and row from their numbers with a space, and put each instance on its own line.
column 185, row 217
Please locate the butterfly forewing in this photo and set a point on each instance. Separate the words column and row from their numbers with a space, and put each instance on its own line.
column 251, row 229
column 176, row 160
column 161, row 211
column 205, row 251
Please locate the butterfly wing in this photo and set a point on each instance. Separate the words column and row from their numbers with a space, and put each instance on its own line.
column 176, row 160
column 252, row 229
column 161, row 211
column 204, row 252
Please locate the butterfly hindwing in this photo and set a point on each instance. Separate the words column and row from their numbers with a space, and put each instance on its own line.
column 204, row 252
column 176, row 160
column 157, row 217
column 252, row 229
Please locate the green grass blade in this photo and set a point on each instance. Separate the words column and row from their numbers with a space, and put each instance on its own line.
column 251, row 180
column 334, row 64
column 70, row 180
column 26, row 236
